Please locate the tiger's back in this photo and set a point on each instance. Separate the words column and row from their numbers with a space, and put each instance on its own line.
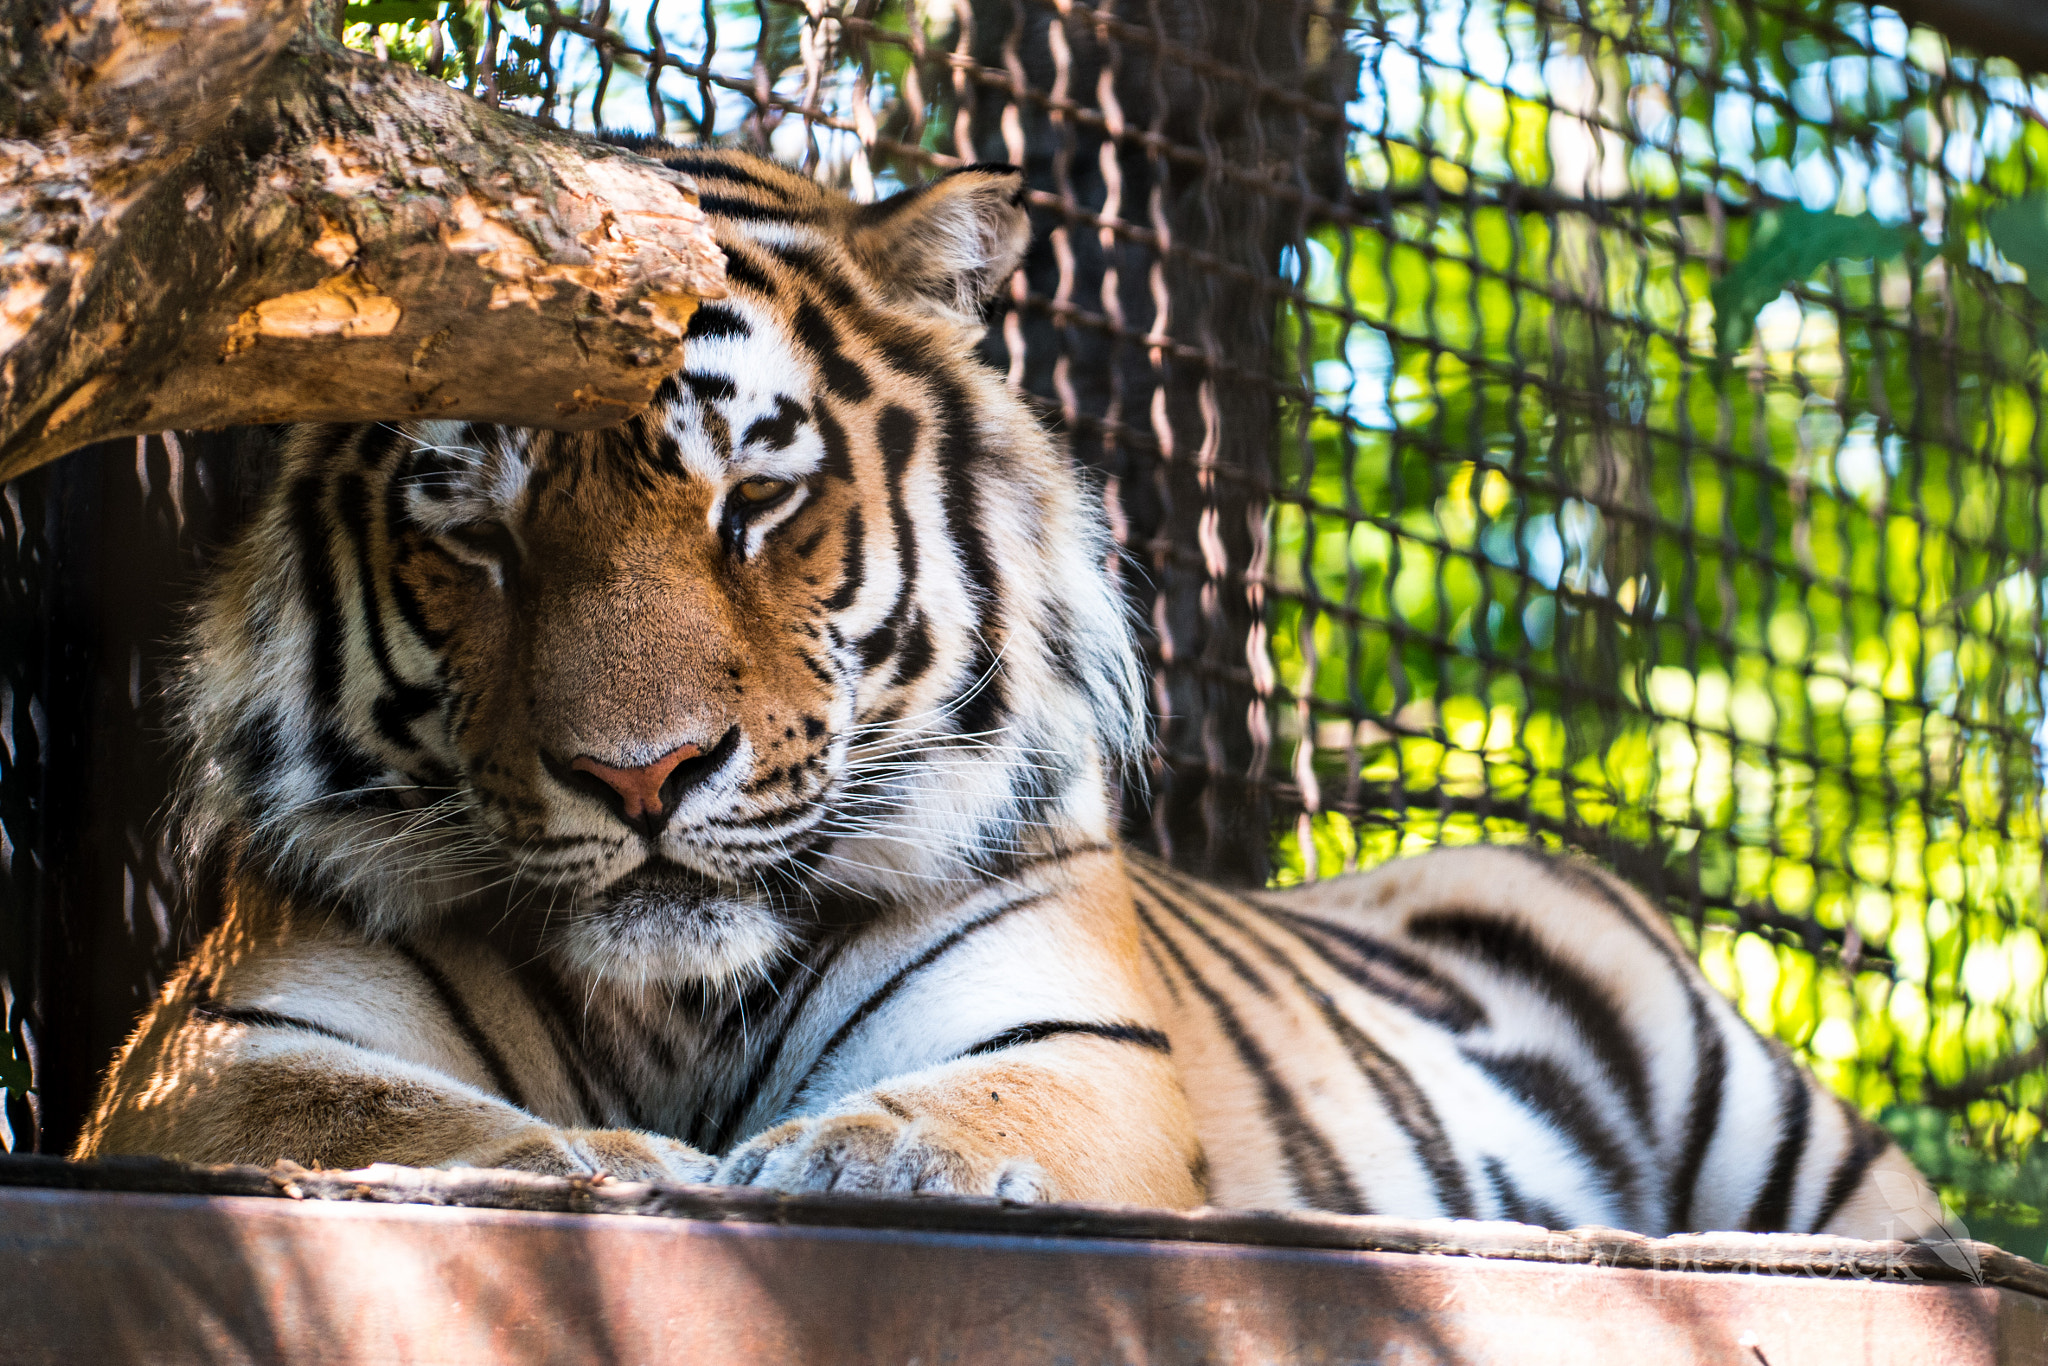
column 1492, row 1032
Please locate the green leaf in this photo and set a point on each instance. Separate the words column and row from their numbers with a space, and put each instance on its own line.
column 1791, row 244
column 393, row 11
column 2020, row 232
column 14, row 1071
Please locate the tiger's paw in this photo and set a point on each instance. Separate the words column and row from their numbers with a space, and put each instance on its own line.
column 880, row 1153
column 622, row 1154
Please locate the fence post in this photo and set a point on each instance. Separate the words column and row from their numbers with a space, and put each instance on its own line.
column 1172, row 154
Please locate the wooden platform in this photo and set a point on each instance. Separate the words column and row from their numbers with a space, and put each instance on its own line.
column 161, row 1263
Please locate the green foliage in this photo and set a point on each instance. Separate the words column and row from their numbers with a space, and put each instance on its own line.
column 2020, row 231
column 2001, row 1199
column 393, row 12
column 1546, row 564
column 590, row 67
column 14, row 1068
column 1791, row 245
column 480, row 45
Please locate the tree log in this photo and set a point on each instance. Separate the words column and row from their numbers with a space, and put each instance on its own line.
column 214, row 214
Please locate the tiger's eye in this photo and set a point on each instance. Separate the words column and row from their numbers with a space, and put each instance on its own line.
column 763, row 490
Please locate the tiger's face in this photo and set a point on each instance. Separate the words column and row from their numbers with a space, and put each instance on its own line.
column 832, row 619
column 651, row 702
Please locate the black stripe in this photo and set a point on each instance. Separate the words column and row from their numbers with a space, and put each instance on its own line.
column 905, row 348
column 1018, row 1035
column 1159, row 970
column 400, row 532
column 761, row 1013
column 726, row 206
column 401, row 703
column 716, row 320
column 764, row 1066
column 710, row 388
column 647, row 1042
column 1406, row 1103
column 316, row 572
column 719, row 431
column 1316, row 1175
column 345, row 771
column 1773, row 1207
column 817, row 670
column 257, row 747
column 1509, row 947
column 665, row 453
column 902, row 976
column 714, row 167
column 758, row 1003
column 1545, row 1086
column 545, row 992
column 959, row 460
column 1703, row 1111
column 876, row 646
column 1060, row 637
column 459, row 1015
column 896, row 434
column 257, row 1018
column 852, row 566
column 1866, row 1143
column 1516, row 1206
column 777, row 432
column 914, row 651
column 1243, row 970
column 1408, row 981
column 841, row 375
column 838, row 462
column 742, row 269
column 1710, row 1050
column 819, row 273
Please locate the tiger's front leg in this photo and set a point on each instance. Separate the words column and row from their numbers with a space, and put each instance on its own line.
column 288, row 1036
column 1067, row 1119
column 1015, row 1054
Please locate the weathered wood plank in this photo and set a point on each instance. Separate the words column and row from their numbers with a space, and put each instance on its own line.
column 350, row 1273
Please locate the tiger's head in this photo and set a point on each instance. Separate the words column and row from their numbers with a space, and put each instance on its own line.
column 834, row 619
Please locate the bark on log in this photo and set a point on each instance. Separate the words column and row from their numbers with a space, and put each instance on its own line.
column 213, row 214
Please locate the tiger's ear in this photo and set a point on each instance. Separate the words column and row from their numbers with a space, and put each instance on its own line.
column 948, row 245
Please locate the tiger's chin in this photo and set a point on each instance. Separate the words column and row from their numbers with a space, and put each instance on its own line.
column 663, row 924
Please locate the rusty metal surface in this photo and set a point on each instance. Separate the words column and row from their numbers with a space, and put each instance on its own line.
column 107, row 1276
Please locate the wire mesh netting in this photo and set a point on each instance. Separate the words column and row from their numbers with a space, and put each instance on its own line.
column 1605, row 423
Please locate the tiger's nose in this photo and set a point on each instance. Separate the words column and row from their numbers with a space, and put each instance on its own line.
column 646, row 795
column 639, row 789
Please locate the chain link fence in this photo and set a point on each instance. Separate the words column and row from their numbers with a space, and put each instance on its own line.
column 1613, row 424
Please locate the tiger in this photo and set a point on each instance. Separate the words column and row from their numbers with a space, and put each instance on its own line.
column 730, row 796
